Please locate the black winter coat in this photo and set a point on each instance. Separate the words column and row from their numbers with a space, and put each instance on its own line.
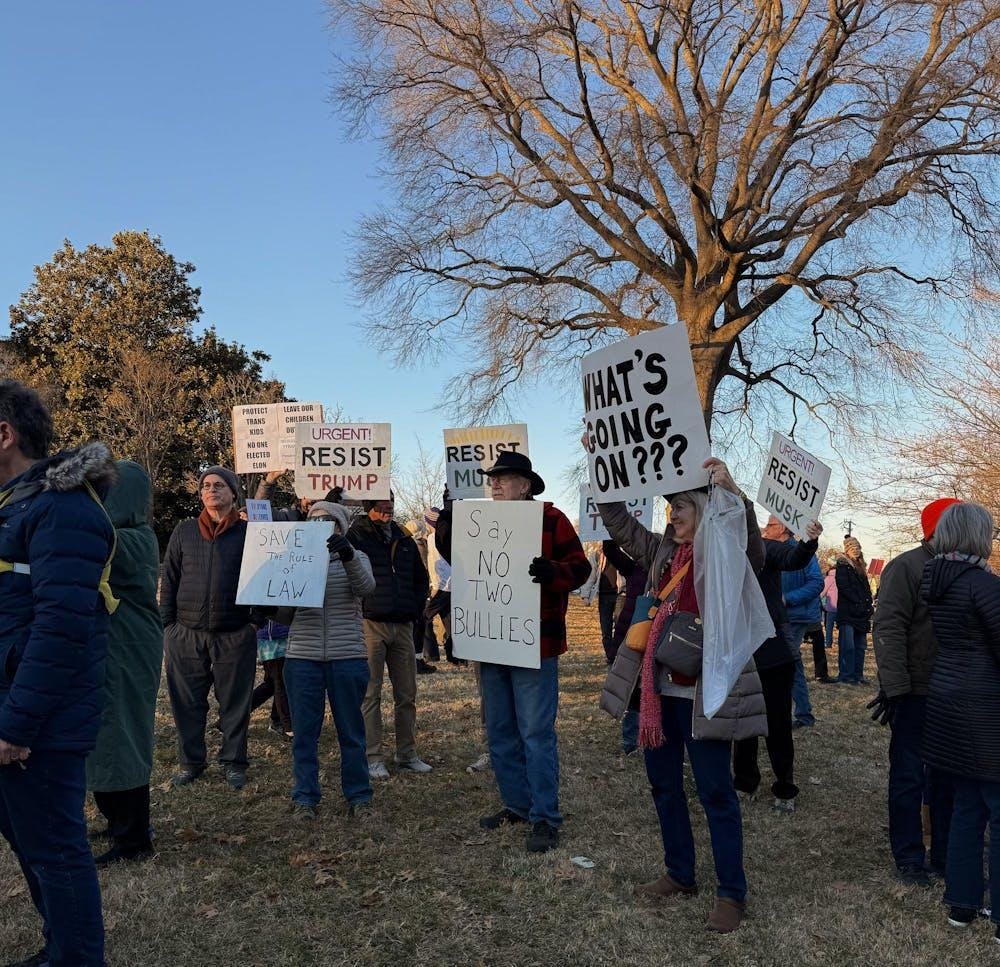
column 779, row 556
column 962, row 728
column 401, row 582
column 854, row 598
column 200, row 579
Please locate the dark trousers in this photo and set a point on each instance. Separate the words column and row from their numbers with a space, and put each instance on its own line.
column 710, row 766
column 273, row 687
column 606, row 614
column 127, row 813
column 816, row 637
column 977, row 805
column 777, row 686
column 909, row 779
column 197, row 660
column 438, row 606
column 41, row 816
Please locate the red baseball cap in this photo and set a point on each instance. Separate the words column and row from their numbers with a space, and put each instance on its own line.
column 931, row 514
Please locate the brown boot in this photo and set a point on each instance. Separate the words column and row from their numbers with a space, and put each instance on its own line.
column 726, row 915
column 663, row 888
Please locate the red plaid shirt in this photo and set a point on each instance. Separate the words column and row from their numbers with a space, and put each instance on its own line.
column 560, row 545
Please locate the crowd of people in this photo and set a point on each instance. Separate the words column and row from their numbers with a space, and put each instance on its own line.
column 89, row 615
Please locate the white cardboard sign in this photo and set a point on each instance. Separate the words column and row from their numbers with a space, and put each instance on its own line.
column 354, row 456
column 495, row 606
column 592, row 527
column 285, row 564
column 794, row 484
column 264, row 434
column 645, row 429
column 470, row 451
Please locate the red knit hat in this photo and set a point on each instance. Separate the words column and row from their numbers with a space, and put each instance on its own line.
column 931, row 514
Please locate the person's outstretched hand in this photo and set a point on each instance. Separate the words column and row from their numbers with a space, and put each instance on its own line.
column 813, row 530
column 542, row 570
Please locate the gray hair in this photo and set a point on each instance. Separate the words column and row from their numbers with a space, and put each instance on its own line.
column 966, row 528
column 696, row 498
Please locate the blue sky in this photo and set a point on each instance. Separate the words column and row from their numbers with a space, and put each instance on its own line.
column 209, row 124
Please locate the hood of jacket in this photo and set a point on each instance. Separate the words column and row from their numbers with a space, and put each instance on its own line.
column 940, row 574
column 67, row 470
column 129, row 502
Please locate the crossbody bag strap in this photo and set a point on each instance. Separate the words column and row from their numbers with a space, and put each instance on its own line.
column 674, row 582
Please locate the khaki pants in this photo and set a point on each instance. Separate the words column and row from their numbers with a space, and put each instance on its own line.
column 390, row 643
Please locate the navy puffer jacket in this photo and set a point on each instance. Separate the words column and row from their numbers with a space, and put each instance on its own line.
column 53, row 621
column 962, row 730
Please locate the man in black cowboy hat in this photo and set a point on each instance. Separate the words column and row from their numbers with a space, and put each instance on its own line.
column 521, row 703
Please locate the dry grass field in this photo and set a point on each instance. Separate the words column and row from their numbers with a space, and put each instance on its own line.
column 237, row 881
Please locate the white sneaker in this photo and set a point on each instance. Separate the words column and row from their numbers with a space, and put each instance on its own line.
column 783, row 805
column 482, row 764
column 377, row 770
column 415, row 765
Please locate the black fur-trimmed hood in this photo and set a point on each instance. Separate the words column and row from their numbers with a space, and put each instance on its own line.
column 68, row 470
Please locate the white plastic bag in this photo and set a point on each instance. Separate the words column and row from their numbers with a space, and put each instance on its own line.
column 733, row 611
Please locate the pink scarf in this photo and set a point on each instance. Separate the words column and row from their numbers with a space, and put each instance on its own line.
column 650, row 714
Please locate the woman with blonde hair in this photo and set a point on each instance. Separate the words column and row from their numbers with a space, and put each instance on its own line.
column 854, row 612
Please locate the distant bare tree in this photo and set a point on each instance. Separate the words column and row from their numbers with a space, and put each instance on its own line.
column 573, row 171
column 420, row 485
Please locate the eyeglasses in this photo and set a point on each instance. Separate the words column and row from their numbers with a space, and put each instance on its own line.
column 213, row 488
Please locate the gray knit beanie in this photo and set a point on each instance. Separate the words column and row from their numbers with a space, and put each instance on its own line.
column 230, row 478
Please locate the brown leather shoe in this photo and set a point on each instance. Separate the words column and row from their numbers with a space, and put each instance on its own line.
column 726, row 915
column 663, row 888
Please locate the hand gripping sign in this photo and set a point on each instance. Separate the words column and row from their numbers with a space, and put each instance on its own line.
column 645, row 429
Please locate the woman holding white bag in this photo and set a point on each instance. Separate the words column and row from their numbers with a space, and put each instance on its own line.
column 672, row 711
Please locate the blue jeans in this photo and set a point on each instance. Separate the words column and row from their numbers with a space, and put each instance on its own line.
column 41, row 816
column 710, row 764
column 908, row 781
column 851, row 657
column 630, row 731
column 829, row 624
column 309, row 685
column 521, row 706
column 800, row 690
column 976, row 804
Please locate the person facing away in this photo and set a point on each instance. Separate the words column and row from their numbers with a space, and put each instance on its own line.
column 56, row 545
column 602, row 585
column 775, row 660
column 671, row 713
column 962, row 724
column 854, row 612
column 208, row 638
column 390, row 611
column 327, row 661
column 119, row 768
column 521, row 704
column 800, row 593
column 905, row 648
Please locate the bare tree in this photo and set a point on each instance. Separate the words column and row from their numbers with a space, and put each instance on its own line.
column 572, row 171
column 420, row 485
column 950, row 446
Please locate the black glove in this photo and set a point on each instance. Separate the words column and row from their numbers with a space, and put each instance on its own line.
column 883, row 708
column 542, row 571
column 338, row 544
column 335, row 496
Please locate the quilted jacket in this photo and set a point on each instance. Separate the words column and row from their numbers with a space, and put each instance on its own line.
column 53, row 621
column 962, row 729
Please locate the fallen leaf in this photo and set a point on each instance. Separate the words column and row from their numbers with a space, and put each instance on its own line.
column 186, row 835
column 208, row 912
column 17, row 889
column 476, row 842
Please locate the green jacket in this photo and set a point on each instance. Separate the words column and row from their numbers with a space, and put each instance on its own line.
column 123, row 758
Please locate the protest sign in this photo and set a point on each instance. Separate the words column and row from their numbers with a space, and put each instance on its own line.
column 354, row 456
column 264, row 434
column 470, row 451
column 645, row 428
column 259, row 511
column 592, row 527
column 285, row 564
column 494, row 603
column 794, row 484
